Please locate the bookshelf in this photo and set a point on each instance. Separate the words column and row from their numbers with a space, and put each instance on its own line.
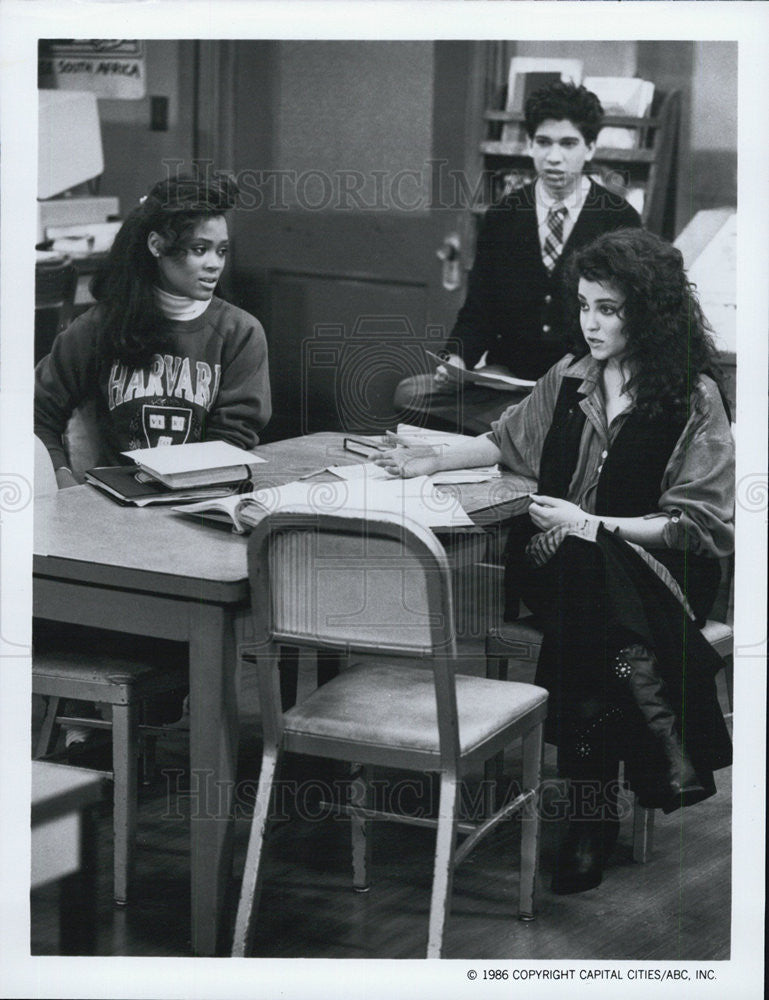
column 648, row 168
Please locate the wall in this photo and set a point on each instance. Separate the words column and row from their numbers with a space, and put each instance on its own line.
column 314, row 81
column 383, row 123
column 599, row 58
column 133, row 154
column 714, row 124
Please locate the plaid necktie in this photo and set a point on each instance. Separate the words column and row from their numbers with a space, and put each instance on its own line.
column 551, row 251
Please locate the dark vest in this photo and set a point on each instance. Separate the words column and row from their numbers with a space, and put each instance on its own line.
column 629, row 483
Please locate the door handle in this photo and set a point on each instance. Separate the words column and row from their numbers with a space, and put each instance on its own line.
column 451, row 260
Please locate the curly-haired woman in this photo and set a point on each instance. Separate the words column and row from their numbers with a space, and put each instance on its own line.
column 630, row 442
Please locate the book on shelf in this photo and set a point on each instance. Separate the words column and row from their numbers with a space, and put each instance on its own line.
column 130, row 487
column 527, row 74
column 203, row 463
column 396, row 499
column 480, row 376
column 622, row 96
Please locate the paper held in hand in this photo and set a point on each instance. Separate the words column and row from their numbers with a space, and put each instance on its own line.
column 414, row 498
column 202, row 463
column 473, row 376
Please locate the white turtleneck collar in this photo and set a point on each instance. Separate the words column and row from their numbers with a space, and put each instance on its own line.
column 179, row 307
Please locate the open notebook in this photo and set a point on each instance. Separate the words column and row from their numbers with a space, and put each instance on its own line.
column 415, row 498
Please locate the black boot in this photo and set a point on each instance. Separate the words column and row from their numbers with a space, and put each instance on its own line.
column 592, row 835
column 637, row 667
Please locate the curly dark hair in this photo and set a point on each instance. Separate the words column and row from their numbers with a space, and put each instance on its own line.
column 670, row 342
column 132, row 326
column 561, row 101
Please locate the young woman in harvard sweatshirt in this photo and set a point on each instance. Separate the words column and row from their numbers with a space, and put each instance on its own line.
column 162, row 358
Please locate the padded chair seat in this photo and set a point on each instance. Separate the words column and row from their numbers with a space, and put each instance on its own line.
column 394, row 707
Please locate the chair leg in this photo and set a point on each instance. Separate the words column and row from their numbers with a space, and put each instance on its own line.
column 306, row 674
column 533, row 745
column 443, row 874
column 149, row 757
column 494, row 768
column 643, row 832
column 49, row 732
column 147, row 749
column 360, row 828
column 124, row 768
column 249, row 891
column 497, row 668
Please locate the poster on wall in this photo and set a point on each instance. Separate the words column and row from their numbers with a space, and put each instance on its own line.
column 107, row 67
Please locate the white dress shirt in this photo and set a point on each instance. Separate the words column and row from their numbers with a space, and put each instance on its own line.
column 572, row 203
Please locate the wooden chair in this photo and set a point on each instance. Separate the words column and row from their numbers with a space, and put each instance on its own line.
column 124, row 684
column 45, row 477
column 521, row 641
column 103, row 674
column 366, row 586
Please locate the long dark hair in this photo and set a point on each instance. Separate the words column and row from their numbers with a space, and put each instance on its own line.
column 132, row 326
column 670, row 342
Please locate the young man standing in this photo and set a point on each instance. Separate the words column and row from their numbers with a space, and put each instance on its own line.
column 513, row 312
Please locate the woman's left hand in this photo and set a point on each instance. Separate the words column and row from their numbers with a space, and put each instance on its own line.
column 548, row 512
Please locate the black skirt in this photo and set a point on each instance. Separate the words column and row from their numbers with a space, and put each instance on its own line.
column 593, row 598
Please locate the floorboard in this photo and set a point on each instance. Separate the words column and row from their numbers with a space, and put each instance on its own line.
column 675, row 907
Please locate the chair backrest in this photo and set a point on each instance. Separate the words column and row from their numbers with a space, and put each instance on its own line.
column 84, row 440
column 351, row 581
column 355, row 583
column 45, row 477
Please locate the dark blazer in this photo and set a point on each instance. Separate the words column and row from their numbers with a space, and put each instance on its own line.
column 514, row 307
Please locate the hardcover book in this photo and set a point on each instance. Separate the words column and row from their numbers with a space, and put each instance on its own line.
column 204, row 463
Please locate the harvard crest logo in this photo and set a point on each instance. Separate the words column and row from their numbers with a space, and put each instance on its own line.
column 163, row 425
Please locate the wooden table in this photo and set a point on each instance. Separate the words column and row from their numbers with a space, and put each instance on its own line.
column 151, row 572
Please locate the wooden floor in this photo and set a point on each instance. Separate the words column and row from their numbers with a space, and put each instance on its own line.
column 677, row 907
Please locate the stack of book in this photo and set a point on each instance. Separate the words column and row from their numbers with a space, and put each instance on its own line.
column 621, row 97
column 182, row 473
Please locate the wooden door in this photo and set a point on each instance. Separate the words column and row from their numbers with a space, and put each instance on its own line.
column 353, row 164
